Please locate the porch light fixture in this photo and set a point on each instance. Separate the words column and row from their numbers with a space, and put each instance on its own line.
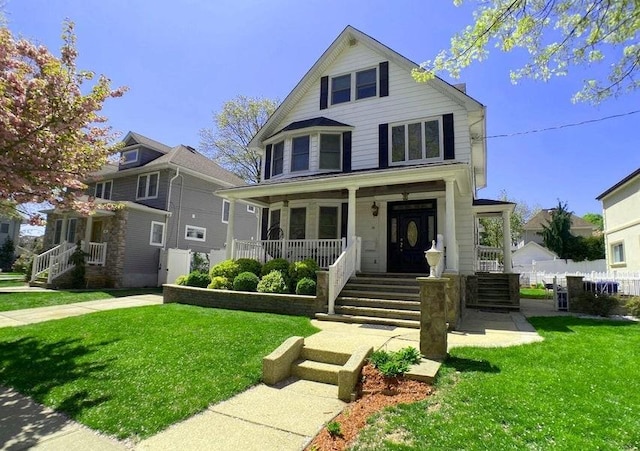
column 374, row 209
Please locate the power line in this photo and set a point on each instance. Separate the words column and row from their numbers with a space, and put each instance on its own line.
column 558, row 127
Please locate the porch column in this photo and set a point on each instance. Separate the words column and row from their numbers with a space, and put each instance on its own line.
column 63, row 229
column 230, row 227
column 87, row 233
column 506, row 241
column 351, row 217
column 451, row 242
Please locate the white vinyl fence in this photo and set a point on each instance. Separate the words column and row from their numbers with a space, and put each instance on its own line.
column 628, row 282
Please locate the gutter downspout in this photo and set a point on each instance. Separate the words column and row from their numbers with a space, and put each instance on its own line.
column 169, row 202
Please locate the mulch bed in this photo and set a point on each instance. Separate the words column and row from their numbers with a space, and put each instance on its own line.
column 376, row 393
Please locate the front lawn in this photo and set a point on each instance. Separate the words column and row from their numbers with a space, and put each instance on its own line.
column 133, row 372
column 578, row 389
column 12, row 283
column 535, row 293
column 17, row 301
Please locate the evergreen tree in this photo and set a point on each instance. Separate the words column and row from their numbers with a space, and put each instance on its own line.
column 557, row 233
column 7, row 255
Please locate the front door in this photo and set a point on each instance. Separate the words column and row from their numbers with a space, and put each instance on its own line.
column 410, row 230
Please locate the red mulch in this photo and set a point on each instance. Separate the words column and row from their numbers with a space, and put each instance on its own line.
column 376, row 393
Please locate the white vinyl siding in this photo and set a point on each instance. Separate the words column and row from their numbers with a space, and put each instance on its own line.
column 194, row 233
column 156, row 234
column 147, row 186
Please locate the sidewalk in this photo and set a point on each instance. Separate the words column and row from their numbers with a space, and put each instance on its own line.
column 283, row 417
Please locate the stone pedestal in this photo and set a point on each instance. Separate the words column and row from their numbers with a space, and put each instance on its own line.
column 433, row 317
column 575, row 287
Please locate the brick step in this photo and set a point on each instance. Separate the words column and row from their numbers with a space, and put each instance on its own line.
column 379, row 303
column 311, row 370
column 380, row 295
column 369, row 320
column 357, row 285
column 377, row 280
column 378, row 312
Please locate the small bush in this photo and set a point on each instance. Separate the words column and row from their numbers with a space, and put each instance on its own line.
column 228, row 268
column 593, row 304
column 249, row 265
column 182, row 280
column 198, row 279
column 246, row 281
column 306, row 286
column 23, row 265
column 394, row 364
column 334, row 429
column 274, row 282
column 306, row 268
column 220, row 283
column 410, row 355
column 633, row 306
column 277, row 264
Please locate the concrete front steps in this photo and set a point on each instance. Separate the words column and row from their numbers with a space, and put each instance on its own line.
column 381, row 299
column 493, row 293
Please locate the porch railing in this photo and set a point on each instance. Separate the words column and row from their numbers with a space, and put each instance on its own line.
column 324, row 252
column 97, row 253
column 489, row 259
column 344, row 267
column 60, row 264
column 42, row 262
column 55, row 261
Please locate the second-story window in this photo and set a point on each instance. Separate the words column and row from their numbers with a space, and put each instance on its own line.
column 366, row 81
column 416, row 141
column 341, row 89
column 300, row 153
column 148, row 186
column 330, row 151
column 103, row 189
column 129, row 156
column 278, row 158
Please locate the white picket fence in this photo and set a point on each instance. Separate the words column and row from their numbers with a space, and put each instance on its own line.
column 628, row 281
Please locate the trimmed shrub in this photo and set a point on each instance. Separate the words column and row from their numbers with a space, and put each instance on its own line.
column 277, row 264
column 306, row 286
column 227, row 268
column 246, row 281
column 220, row 283
column 198, row 279
column 593, row 304
column 274, row 282
column 182, row 280
column 249, row 265
column 305, row 268
column 23, row 265
column 633, row 306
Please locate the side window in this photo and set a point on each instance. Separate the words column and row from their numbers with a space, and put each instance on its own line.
column 300, row 153
column 366, row 82
column 226, row 206
column 156, row 235
column 278, row 158
column 341, row 89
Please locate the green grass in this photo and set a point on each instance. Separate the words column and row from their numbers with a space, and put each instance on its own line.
column 133, row 372
column 535, row 293
column 17, row 301
column 578, row 389
column 11, row 283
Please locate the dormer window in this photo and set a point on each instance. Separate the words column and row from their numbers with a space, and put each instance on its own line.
column 278, row 158
column 129, row 156
column 416, row 141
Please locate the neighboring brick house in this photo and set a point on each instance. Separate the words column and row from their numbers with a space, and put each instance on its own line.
column 532, row 230
column 165, row 199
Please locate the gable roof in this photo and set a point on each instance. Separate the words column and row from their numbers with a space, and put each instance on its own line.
column 147, row 142
column 544, row 217
column 329, row 56
column 625, row 180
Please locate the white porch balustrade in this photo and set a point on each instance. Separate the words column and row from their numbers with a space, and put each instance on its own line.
column 324, row 252
column 97, row 253
column 344, row 267
column 55, row 261
column 489, row 259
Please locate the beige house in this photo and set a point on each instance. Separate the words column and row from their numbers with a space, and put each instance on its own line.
column 621, row 212
column 532, row 230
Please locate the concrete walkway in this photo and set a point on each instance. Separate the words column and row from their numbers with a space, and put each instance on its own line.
column 283, row 417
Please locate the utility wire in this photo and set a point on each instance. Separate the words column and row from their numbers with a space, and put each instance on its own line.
column 558, row 127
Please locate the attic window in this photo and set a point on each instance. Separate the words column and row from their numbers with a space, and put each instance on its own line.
column 341, row 89
column 366, row 84
column 129, row 156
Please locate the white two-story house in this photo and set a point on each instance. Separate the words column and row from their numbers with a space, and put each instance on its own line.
column 361, row 155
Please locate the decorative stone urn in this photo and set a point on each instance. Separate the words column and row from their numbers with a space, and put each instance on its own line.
column 433, row 257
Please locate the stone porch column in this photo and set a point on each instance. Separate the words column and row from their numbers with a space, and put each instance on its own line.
column 351, row 218
column 506, row 241
column 433, row 317
column 230, row 227
column 451, row 241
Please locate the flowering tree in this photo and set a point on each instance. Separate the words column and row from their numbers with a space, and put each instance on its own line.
column 51, row 135
column 557, row 34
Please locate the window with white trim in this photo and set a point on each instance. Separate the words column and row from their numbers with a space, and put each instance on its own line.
column 103, row 189
column 416, row 141
column 278, row 158
column 340, row 89
column 71, row 231
column 300, row 153
column 129, row 156
column 148, row 186
column 195, row 233
column 366, row 83
column 251, row 208
column 297, row 223
column 328, row 224
column 617, row 252
column 156, row 235
column 330, row 151
column 226, row 208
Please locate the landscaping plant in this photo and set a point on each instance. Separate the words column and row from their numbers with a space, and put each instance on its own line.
column 633, row 306
column 394, row 364
column 598, row 304
column 78, row 258
column 220, row 283
column 305, row 268
column 182, row 280
column 228, row 268
column 198, row 279
column 334, row 429
column 246, row 281
column 306, row 286
column 277, row 264
column 274, row 282
column 250, row 265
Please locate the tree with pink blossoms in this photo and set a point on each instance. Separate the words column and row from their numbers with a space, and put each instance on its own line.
column 51, row 133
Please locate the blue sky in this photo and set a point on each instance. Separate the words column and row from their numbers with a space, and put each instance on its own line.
column 183, row 59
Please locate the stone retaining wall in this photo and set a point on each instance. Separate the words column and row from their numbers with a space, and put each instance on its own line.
column 284, row 304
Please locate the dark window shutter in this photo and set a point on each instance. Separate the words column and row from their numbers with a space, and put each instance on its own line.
column 383, row 146
column 448, row 138
column 344, row 217
column 324, row 92
column 264, row 224
column 346, row 152
column 384, row 79
column 267, row 163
